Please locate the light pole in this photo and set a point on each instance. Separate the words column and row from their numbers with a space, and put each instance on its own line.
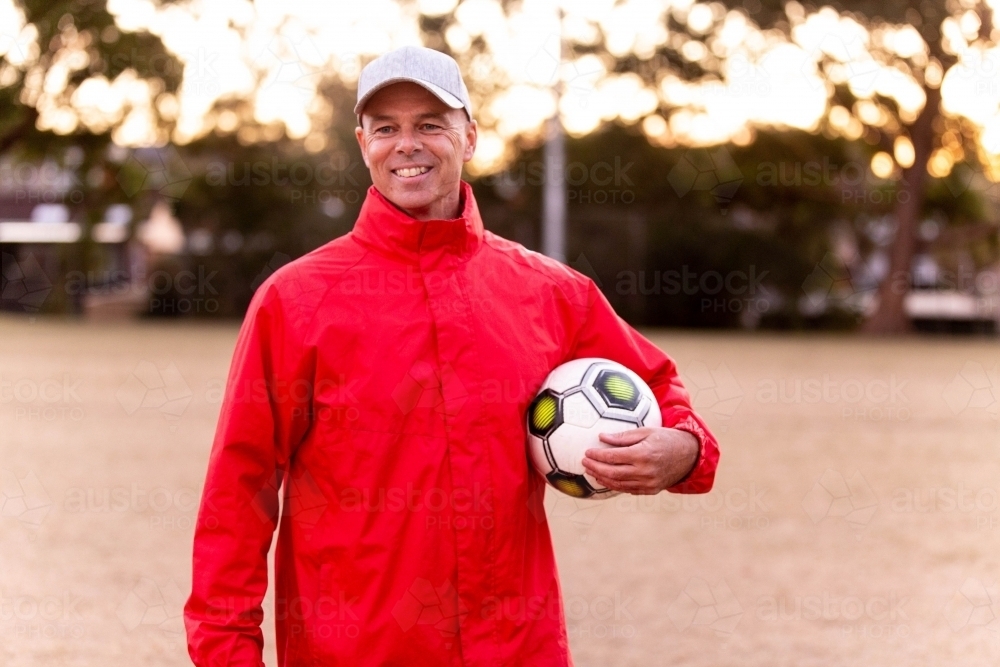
column 554, row 193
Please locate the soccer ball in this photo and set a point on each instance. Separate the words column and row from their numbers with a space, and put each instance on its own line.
column 579, row 400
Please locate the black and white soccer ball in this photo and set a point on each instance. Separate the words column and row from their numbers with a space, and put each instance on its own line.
column 579, row 400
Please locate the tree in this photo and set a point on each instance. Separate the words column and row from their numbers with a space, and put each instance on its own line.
column 948, row 30
column 883, row 66
column 64, row 70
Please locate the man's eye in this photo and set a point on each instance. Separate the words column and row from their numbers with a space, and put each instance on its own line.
column 430, row 126
column 385, row 129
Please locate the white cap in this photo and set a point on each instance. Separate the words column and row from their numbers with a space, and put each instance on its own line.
column 435, row 71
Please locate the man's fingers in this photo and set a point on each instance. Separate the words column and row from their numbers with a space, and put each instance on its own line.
column 626, row 438
column 633, row 487
column 612, row 455
column 619, row 473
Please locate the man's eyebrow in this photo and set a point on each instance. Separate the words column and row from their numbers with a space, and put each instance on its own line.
column 432, row 114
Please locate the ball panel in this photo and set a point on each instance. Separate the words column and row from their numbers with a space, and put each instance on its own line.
column 568, row 443
column 653, row 416
column 543, row 414
column 579, row 411
column 572, row 485
column 617, row 389
column 567, row 376
column 538, row 452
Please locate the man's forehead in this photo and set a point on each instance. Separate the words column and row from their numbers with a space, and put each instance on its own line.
column 405, row 99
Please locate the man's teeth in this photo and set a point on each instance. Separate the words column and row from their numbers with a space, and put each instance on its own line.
column 410, row 171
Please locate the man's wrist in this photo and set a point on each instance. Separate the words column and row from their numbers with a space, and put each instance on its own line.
column 696, row 454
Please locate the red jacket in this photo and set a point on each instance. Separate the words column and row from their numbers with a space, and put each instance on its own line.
column 381, row 383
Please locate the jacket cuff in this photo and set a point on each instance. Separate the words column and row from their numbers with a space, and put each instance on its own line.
column 691, row 482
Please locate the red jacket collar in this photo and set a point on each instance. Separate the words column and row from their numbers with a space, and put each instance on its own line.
column 384, row 227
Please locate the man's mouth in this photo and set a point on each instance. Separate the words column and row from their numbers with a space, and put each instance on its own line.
column 410, row 172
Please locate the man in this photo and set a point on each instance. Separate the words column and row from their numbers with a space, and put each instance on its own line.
column 382, row 381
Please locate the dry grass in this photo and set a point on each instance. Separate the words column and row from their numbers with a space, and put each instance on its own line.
column 767, row 569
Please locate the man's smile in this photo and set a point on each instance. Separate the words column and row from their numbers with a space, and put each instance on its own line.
column 410, row 172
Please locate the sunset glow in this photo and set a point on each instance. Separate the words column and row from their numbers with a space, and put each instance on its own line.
column 274, row 55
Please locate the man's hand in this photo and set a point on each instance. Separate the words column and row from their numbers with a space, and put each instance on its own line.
column 644, row 461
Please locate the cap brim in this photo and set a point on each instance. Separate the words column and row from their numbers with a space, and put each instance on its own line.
column 438, row 92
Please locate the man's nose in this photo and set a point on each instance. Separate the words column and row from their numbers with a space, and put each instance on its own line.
column 408, row 141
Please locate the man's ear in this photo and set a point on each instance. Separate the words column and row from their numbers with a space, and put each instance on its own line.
column 359, row 132
column 471, row 136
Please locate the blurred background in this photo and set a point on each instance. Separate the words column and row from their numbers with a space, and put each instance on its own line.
column 734, row 165
column 797, row 177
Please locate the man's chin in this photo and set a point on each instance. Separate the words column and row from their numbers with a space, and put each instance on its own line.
column 411, row 201
column 422, row 203
column 415, row 204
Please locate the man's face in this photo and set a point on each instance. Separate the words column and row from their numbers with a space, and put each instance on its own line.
column 414, row 145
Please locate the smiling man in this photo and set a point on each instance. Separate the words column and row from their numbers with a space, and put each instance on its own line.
column 380, row 383
column 414, row 145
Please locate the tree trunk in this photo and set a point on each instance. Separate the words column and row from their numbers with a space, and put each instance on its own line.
column 890, row 317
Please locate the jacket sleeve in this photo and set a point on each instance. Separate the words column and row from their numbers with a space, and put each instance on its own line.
column 604, row 334
column 265, row 411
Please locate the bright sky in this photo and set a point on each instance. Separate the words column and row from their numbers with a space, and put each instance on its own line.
column 768, row 81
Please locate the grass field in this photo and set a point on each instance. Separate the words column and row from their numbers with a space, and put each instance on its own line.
column 855, row 519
